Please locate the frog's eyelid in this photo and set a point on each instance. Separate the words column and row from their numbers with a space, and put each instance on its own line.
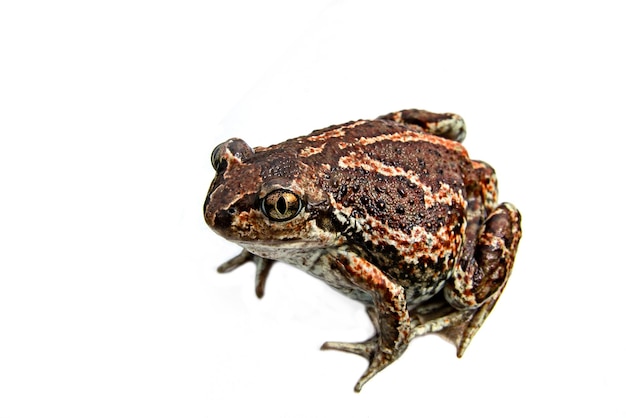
column 317, row 204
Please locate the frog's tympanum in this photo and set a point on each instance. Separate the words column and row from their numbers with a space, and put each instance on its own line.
column 391, row 212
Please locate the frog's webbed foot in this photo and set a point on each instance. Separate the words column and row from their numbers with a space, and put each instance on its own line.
column 456, row 326
column 364, row 349
column 446, row 125
column 263, row 266
column 371, row 350
column 451, row 326
column 375, row 350
column 437, row 316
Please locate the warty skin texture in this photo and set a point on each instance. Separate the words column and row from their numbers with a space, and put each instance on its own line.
column 391, row 212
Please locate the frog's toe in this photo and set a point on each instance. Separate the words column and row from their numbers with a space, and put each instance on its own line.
column 235, row 262
column 378, row 359
column 473, row 324
column 367, row 349
column 364, row 349
column 263, row 266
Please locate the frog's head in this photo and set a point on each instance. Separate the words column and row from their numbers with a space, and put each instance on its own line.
column 265, row 199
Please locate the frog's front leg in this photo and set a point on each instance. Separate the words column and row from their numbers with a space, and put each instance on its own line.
column 389, row 315
column 476, row 287
column 263, row 266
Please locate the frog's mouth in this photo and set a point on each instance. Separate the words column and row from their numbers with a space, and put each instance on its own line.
column 278, row 245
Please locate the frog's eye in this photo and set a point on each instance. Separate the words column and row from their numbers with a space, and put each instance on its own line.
column 281, row 205
column 217, row 158
column 234, row 147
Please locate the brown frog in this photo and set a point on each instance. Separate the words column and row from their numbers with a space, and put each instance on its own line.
column 392, row 212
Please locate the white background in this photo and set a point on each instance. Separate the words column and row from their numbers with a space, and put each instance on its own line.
column 109, row 300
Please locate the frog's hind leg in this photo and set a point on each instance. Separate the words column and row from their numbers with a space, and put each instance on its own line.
column 455, row 326
column 476, row 290
column 445, row 125
column 459, row 311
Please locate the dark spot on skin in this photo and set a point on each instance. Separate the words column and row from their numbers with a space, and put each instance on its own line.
column 343, row 189
column 223, row 219
column 357, row 213
column 435, row 152
column 400, row 210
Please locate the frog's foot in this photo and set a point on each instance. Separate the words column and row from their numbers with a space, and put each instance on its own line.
column 446, row 125
column 464, row 333
column 263, row 266
column 370, row 349
column 438, row 316
column 456, row 327
column 440, row 325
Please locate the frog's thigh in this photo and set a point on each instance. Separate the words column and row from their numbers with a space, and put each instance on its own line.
column 486, row 274
column 478, row 289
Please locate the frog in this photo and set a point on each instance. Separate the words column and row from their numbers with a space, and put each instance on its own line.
column 390, row 211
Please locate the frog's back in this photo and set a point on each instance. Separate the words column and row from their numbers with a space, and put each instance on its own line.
column 397, row 194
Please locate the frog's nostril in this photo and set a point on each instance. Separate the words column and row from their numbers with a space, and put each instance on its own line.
column 223, row 218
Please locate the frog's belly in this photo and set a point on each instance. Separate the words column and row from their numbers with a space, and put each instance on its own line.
column 316, row 261
column 322, row 264
column 324, row 268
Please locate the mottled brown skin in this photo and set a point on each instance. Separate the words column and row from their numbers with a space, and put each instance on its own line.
column 391, row 212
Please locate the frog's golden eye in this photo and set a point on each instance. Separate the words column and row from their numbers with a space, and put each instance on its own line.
column 281, row 205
